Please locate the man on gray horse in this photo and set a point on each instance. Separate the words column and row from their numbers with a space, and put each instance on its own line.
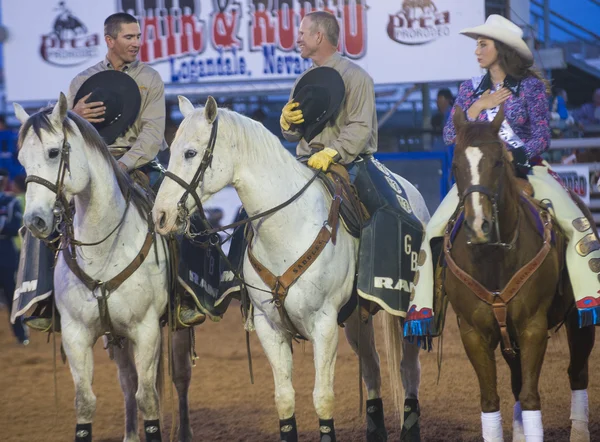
column 349, row 137
column 124, row 100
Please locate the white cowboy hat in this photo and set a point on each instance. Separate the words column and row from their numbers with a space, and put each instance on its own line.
column 503, row 30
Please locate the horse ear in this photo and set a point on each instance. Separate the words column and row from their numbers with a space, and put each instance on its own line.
column 20, row 113
column 60, row 111
column 498, row 119
column 185, row 106
column 210, row 109
column 459, row 118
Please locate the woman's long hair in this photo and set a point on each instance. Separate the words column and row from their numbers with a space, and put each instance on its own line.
column 513, row 64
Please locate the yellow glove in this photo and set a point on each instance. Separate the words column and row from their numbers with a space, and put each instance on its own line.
column 323, row 159
column 290, row 115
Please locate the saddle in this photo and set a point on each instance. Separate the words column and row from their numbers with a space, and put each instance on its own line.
column 353, row 212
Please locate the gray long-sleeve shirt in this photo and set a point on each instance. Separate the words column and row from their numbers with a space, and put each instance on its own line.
column 146, row 136
column 354, row 130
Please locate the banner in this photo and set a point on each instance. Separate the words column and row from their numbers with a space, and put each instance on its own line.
column 576, row 177
column 237, row 41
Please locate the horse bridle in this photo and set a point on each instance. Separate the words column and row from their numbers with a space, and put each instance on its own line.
column 61, row 207
column 493, row 197
column 183, row 214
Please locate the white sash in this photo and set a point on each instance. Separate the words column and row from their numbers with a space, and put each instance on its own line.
column 505, row 133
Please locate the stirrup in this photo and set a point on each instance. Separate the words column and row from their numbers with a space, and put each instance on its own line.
column 41, row 323
column 186, row 317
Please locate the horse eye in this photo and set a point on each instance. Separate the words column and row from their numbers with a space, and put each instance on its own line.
column 190, row 154
column 53, row 153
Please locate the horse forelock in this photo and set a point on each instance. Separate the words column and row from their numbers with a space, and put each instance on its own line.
column 40, row 122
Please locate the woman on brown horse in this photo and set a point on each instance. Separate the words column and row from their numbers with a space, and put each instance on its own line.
column 524, row 129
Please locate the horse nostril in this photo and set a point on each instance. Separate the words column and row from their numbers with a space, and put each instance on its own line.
column 162, row 220
column 485, row 227
column 39, row 224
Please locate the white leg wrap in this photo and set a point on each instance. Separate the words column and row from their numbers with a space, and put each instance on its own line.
column 579, row 405
column 532, row 425
column 579, row 416
column 518, row 431
column 491, row 427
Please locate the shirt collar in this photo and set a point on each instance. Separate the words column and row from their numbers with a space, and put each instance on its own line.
column 510, row 83
column 332, row 61
column 126, row 68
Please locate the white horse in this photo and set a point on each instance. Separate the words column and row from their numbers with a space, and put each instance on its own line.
column 54, row 140
column 264, row 175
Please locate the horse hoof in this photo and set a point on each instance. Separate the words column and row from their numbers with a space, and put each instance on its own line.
column 518, row 437
column 377, row 436
column 579, row 432
column 412, row 435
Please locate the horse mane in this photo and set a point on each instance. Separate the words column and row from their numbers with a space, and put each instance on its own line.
column 40, row 122
column 242, row 127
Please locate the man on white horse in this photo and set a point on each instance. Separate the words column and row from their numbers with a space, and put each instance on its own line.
column 129, row 115
column 349, row 137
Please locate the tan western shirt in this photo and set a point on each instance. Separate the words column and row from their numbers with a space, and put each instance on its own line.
column 354, row 130
column 146, row 135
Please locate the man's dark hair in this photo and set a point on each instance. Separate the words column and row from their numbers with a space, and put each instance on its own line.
column 112, row 25
column 3, row 172
column 327, row 23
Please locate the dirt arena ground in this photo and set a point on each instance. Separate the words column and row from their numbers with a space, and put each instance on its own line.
column 226, row 407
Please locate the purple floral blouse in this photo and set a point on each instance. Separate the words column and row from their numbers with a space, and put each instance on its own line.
column 526, row 111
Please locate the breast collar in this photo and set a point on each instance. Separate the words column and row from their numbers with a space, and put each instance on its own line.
column 510, row 83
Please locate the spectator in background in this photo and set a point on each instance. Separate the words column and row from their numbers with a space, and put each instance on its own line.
column 445, row 101
column 558, row 104
column 11, row 219
column 589, row 113
column 560, row 119
column 259, row 115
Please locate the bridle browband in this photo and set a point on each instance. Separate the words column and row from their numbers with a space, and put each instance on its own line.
column 493, row 197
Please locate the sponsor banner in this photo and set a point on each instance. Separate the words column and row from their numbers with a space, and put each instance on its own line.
column 576, row 177
column 237, row 41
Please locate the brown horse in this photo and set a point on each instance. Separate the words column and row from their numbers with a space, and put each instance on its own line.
column 506, row 280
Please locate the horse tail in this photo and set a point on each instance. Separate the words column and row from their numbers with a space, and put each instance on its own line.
column 392, row 332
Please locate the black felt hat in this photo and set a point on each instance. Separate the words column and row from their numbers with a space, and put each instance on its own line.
column 320, row 92
column 121, row 97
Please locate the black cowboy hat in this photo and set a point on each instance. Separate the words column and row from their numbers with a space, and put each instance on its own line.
column 121, row 97
column 320, row 93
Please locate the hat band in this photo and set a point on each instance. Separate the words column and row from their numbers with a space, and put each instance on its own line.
column 320, row 116
column 115, row 119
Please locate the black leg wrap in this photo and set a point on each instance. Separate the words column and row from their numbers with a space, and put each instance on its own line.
column 411, row 430
column 83, row 433
column 376, row 431
column 152, row 431
column 288, row 431
column 327, row 430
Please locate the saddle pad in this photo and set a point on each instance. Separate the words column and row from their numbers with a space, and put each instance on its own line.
column 199, row 268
